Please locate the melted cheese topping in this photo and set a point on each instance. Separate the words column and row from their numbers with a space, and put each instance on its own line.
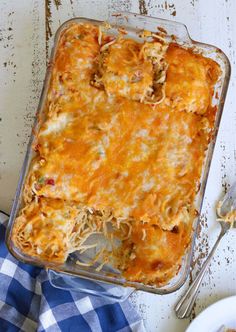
column 51, row 229
column 141, row 72
column 189, row 80
column 154, row 256
column 141, row 162
column 134, row 74
column 43, row 229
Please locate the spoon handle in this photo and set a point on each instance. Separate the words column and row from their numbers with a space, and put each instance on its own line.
column 184, row 306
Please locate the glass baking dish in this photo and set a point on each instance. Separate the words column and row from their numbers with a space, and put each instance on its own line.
column 133, row 24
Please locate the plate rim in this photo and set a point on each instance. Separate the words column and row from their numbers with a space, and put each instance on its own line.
column 208, row 310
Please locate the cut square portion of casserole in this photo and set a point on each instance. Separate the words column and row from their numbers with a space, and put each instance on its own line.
column 73, row 67
column 152, row 255
column 133, row 70
column 43, row 229
column 190, row 80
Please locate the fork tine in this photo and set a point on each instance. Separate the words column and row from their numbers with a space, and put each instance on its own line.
column 229, row 200
column 234, row 204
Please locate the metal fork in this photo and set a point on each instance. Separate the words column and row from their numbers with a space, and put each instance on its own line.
column 185, row 304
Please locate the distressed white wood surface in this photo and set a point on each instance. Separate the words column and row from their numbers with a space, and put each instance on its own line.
column 26, row 28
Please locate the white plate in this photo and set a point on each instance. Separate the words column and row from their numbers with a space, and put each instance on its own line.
column 215, row 316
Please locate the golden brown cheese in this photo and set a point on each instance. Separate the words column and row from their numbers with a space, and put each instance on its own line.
column 126, row 78
column 152, row 254
column 141, row 72
column 43, row 229
column 126, row 170
column 190, row 80
column 73, row 67
column 142, row 163
column 51, row 229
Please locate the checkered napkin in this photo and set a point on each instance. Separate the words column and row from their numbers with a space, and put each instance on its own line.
column 28, row 302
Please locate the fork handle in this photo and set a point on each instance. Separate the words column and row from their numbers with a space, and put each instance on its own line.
column 184, row 306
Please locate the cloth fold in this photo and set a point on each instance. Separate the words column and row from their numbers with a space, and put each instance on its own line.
column 29, row 303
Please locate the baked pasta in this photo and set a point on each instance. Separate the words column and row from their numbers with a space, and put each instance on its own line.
column 119, row 154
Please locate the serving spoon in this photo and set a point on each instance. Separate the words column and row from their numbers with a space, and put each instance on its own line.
column 184, row 306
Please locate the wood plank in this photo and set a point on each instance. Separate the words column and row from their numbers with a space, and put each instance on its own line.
column 22, row 69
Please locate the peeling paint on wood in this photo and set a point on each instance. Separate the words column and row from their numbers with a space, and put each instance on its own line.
column 201, row 251
column 36, row 81
column 57, row 3
column 142, row 7
column 167, row 7
column 48, row 21
column 72, row 8
column 192, row 2
column 117, row 6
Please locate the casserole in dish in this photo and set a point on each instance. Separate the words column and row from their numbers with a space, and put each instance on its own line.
column 123, row 140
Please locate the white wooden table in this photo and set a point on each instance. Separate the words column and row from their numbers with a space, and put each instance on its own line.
column 26, row 29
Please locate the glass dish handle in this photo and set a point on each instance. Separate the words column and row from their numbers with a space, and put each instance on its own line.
column 87, row 286
column 177, row 29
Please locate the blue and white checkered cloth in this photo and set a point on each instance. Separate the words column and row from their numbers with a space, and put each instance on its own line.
column 28, row 302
